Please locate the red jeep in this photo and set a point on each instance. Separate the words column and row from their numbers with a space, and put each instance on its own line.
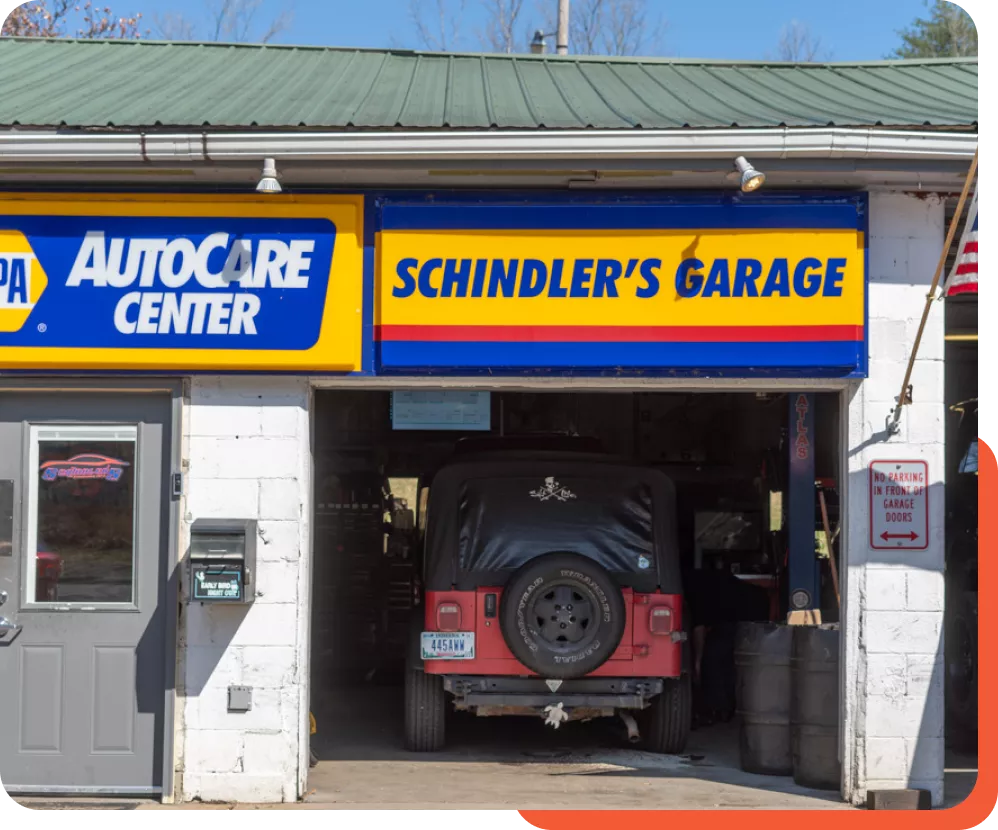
column 551, row 588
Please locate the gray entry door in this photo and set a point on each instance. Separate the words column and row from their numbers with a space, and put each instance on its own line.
column 84, row 569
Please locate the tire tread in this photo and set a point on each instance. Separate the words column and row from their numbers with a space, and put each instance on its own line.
column 668, row 723
column 540, row 662
column 425, row 712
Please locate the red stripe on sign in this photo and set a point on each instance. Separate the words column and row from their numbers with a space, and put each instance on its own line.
column 964, row 288
column 970, row 248
column 620, row 334
column 966, row 268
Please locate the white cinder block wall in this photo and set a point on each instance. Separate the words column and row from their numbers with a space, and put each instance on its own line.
column 247, row 444
column 893, row 689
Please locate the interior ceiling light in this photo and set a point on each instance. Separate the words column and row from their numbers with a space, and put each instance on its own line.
column 268, row 181
column 751, row 179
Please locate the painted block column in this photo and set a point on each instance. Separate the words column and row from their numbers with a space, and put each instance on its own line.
column 248, row 457
column 893, row 614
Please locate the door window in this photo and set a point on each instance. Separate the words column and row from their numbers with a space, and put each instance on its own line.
column 81, row 515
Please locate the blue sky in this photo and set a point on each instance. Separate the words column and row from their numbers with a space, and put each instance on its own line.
column 848, row 29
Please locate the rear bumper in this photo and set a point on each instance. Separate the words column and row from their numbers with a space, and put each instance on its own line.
column 593, row 693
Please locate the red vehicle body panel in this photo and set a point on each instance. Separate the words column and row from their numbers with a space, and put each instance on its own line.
column 640, row 653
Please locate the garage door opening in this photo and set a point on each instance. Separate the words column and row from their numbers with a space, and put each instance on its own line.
column 728, row 456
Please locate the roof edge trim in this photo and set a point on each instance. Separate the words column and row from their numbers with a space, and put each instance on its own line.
column 136, row 146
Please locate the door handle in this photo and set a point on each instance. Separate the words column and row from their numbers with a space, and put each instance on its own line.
column 8, row 628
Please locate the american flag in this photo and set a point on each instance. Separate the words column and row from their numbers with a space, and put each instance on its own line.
column 963, row 278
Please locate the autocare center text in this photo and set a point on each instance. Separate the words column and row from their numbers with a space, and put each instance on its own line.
column 218, row 261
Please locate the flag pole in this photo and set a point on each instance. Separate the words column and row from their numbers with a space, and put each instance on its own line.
column 894, row 418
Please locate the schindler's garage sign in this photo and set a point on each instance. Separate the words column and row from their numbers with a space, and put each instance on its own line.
column 724, row 285
column 136, row 282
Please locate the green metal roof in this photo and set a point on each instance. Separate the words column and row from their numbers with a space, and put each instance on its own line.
column 102, row 84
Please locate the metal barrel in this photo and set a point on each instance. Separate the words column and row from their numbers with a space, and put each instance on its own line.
column 762, row 658
column 814, row 708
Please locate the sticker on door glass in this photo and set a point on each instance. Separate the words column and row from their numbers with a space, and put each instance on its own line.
column 84, row 521
column 84, row 465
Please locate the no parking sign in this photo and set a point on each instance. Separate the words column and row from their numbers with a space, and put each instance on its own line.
column 899, row 510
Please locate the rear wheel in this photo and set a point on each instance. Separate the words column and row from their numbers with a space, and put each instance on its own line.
column 425, row 711
column 667, row 721
column 562, row 615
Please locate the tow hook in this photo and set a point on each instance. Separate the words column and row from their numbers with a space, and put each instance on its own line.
column 632, row 726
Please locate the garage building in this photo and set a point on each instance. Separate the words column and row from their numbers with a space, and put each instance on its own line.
column 240, row 330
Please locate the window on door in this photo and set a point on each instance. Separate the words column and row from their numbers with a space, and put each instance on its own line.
column 81, row 515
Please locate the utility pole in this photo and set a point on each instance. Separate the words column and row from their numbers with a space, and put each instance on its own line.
column 562, row 37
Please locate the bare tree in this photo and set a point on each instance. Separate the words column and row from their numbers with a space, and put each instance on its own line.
column 225, row 20
column 172, row 26
column 630, row 31
column 233, row 20
column 585, row 26
column 597, row 27
column 798, row 44
column 440, row 28
column 51, row 19
column 501, row 32
column 613, row 27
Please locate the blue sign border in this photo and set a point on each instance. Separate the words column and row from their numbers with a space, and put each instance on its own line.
column 556, row 208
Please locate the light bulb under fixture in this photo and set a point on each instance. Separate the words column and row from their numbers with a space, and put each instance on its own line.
column 268, row 181
column 751, row 179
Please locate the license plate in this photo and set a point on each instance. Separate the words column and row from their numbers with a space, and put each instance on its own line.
column 458, row 645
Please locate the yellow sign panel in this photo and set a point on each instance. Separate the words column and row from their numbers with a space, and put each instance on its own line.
column 574, row 278
column 783, row 301
column 143, row 282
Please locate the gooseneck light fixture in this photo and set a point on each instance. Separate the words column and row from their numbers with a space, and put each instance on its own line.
column 539, row 46
column 751, row 179
column 268, row 181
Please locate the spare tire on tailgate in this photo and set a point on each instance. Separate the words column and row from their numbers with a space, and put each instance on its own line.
column 562, row 615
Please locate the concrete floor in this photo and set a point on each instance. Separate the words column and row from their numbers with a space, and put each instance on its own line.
column 518, row 763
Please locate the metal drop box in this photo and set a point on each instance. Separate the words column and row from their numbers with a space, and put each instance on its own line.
column 223, row 560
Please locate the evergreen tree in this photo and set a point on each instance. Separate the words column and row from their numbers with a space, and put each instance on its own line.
column 949, row 32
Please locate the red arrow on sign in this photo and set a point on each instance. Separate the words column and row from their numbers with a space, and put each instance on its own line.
column 886, row 536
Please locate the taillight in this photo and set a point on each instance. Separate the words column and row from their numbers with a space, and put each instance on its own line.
column 448, row 616
column 660, row 620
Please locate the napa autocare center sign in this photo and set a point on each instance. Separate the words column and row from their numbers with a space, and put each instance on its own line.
column 727, row 285
column 159, row 283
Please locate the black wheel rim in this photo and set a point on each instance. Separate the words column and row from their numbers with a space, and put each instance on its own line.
column 564, row 616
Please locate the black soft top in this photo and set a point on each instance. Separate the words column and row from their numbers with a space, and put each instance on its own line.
column 489, row 512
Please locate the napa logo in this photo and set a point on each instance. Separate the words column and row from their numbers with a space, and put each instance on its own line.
column 22, row 280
